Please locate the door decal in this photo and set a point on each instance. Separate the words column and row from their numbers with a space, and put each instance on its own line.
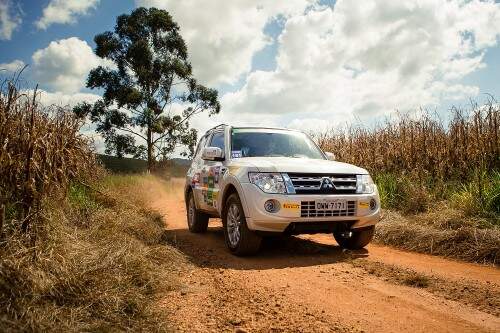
column 210, row 185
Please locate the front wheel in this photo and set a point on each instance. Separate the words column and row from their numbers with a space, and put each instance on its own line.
column 197, row 221
column 239, row 239
column 354, row 239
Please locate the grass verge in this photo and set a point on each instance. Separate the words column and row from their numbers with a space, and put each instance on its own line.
column 458, row 220
column 442, row 231
column 99, row 262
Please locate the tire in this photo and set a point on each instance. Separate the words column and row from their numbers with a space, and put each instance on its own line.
column 240, row 240
column 358, row 239
column 197, row 221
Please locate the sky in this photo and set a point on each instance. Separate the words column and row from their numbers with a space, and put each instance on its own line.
column 306, row 64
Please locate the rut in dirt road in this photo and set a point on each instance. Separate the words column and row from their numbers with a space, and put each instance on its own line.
column 309, row 284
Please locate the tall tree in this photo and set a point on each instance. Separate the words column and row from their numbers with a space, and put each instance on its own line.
column 152, row 78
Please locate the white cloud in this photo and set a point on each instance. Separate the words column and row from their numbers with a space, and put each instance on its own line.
column 223, row 36
column 64, row 11
column 357, row 61
column 10, row 19
column 13, row 66
column 64, row 100
column 65, row 64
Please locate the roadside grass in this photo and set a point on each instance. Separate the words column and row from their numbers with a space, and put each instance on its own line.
column 477, row 197
column 442, row 231
column 100, row 262
column 481, row 196
column 457, row 220
column 439, row 181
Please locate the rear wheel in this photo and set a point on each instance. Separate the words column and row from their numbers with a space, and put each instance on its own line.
column 354, row 239
column 239, row 239
column 197, row 221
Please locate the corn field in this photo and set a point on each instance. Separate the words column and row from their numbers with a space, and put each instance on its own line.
column 425, row 146
column 41, row 152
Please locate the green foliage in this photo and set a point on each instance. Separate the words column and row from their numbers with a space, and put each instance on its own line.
column 388, row 190
column 481, row 196
column 151, row 73
column 81, row 197
column 407, row 194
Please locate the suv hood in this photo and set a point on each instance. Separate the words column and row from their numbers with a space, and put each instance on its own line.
column 299, row 165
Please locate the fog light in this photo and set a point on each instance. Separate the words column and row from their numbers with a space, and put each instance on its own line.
column 272, row 206
column 373, row 204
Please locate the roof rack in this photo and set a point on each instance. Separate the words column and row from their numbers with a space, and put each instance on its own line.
column 215, row 127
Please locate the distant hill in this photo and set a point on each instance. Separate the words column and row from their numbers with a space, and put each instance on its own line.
column 176, row 166
column 181, row 161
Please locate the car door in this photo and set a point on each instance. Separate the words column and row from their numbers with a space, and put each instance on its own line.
column 195, row 171
column 211, row 175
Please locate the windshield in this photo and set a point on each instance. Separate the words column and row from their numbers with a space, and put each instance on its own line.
column 253, row 142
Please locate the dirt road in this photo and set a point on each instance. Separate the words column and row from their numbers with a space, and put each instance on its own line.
column 308, row 284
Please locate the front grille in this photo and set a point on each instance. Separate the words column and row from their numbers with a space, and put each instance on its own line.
column 323, row 183
column 308, row 209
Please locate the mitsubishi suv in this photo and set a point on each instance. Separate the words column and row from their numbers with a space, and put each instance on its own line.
column 268, row 181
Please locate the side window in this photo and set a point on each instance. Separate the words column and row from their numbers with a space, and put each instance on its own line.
column 201, row 144
column 217, row 140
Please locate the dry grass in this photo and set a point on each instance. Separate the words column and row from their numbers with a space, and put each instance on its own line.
column 41, row 152
column 444, row 178
column 73, row 258
column 424, row 146
column 98, row 264
column 442, row 231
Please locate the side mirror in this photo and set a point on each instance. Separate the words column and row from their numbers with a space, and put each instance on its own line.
column 212, row 154
column 330, row 156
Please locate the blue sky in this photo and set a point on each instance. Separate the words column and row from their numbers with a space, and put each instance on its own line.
column 299, row 63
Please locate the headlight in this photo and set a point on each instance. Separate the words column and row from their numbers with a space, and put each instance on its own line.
column 268, row 182
column 364, row 184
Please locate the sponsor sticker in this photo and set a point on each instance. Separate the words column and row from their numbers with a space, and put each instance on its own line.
column 216, row 174
column 233, row 169
column 195, row 181
column 289, row 205
column 236, row 154
column 363, row 204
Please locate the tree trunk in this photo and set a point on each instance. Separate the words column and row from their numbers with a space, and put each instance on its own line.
column 150, row 150
column 2, row 220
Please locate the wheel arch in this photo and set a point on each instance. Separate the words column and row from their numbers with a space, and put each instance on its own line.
column 230, row 188
column 188, row 189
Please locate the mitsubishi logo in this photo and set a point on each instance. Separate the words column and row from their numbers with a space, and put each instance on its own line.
column 326, row 183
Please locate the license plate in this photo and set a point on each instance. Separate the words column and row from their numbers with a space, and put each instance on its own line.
column 334, row 205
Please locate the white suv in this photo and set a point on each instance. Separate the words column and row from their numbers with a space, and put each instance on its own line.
column 264, row 181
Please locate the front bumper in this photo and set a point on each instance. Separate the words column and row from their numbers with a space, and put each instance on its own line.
column 290, row 210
